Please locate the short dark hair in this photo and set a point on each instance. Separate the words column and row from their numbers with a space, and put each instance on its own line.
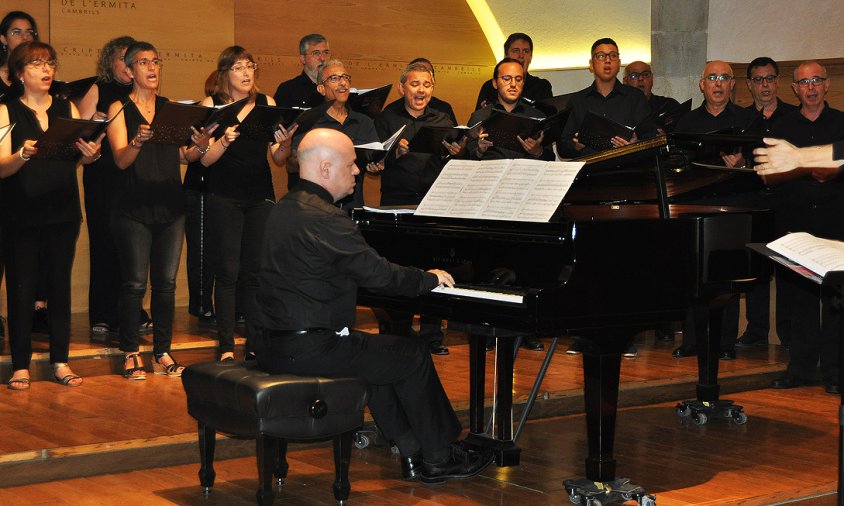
column 112, row 47
column 605, row 40
column 6, row 23
column 424, row 61
column 133, row 50
column 502, row 62
column 762, row 61
column 312, row 39
column 26, row 53
column 513, row 37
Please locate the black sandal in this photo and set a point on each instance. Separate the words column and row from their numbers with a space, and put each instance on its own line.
column 67, row 380
column 136, row 372
column 173, row 370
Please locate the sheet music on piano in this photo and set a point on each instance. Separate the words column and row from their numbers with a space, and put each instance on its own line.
column 509, row 190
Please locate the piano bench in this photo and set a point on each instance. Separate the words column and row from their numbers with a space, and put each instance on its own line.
column 244, row 402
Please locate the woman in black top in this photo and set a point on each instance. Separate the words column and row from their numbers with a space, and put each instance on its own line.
column 240, row 198
column 148, row 218
column 40, row 212
column 16, row 28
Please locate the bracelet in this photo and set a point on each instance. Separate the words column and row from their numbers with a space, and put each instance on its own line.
column 99, row 155
column 224, row 144
column 136, row 145
column 201, row 151
column 23, row 157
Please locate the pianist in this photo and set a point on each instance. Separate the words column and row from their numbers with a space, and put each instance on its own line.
column 313, row 260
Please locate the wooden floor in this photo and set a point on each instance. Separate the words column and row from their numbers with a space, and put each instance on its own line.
column 113, row 441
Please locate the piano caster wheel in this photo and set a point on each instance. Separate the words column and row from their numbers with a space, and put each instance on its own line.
column 647, row 500
column 740, row 418
column 593, row 502
column 575, row 498
column 361, row 440
column 700, row 418
column 683, row 411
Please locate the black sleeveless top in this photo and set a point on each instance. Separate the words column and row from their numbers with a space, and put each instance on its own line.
column 42, row 192
column 243, row 171
column 150, row 190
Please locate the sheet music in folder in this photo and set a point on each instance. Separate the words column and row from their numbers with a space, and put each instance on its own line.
column 510, row 190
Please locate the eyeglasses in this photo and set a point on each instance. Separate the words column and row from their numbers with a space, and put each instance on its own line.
column 145, row 63
column 507, row 79
column 718, row 77
column 41, row 64
column 317, row 53
column 804, row 83
column 603, row 56
column 242, row 67
column 335, row 78
column 640, row 75
column 768, row 79
column 19, row 32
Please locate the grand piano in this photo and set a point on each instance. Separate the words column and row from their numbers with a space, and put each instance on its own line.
column 627, row 249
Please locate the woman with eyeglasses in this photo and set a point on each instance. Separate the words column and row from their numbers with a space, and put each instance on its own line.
column 240, row 197
column 147, row 221
column 40, row 212
column 15, row 28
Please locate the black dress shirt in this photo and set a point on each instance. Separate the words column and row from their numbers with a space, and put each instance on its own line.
column 406, row 180
column 496, row 152
column 624, row 104
column 313, row 260
column 443, row 106
column 764, row 125
column 535, row 89
column 298, row 92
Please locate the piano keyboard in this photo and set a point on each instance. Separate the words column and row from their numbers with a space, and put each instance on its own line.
column 512, row 298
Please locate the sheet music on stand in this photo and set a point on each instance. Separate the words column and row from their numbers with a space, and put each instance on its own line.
column 510, row 190
column 812, row 257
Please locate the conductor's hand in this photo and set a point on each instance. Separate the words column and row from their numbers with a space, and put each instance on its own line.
column 443, row 277
column 777, row 156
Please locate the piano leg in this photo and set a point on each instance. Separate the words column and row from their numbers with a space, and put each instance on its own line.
column 601, row 372
column 708, row 318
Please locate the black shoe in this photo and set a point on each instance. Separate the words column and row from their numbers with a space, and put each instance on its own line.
column 663, row 335
column 832, row 389
column 790, row 382
column 576, row 348
column 631, row 351
column 411, row 467
column 208, row 320
column 727, row 354
column 532, row 344
column 437, row 348
column 40, row 319
column 747, row 341
column 461, row 464
column 685, row 350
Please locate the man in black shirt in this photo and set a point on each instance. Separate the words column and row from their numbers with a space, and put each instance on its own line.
column 301, row 91
column 763, row 77
column 436, row 103
column 638, row 74
column 607, row 97
column 810, row 200
column 518, row 46
column 314, row 259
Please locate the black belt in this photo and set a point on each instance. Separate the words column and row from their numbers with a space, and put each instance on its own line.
column 280, row 334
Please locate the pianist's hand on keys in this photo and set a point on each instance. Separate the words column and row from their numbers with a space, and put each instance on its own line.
column 443, row 277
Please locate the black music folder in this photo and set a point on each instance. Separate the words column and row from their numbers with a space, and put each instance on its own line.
column 429, row 139
column 225, row 115
column 370, row 102
column 73, row 90
column 59, row 141
column 173, row 122
column 596, row 131
column 377, row 152
column 666, row 116
column 263, row 120
column 555, row 104
column 503, row 127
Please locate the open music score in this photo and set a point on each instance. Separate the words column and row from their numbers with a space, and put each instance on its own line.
column 475, row 293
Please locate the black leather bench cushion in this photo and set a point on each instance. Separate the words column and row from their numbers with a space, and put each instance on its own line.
column 244, row 401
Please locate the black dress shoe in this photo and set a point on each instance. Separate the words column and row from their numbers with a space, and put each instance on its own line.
column 437, row 348
column 727, row 354
column 575, row 348
column 461, row 464
column 411, row 467
column 684, row 350
column 832, row 389
column 747, row 341
column 532, row 344
column 790, row 382
column 630, row 351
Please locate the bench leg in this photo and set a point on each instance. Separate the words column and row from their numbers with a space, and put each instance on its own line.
column 281, row 467
column 207, row 442
column 342, row 457
column 267, row 452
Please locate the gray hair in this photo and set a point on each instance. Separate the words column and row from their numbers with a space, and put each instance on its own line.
column 415, row 67
column 310, row 40
column 330, row 63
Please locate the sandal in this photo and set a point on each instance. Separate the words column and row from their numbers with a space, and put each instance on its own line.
column 136, row 372
column 68, row 380
column 19, row 383
column 100, row 328
column 173, row 369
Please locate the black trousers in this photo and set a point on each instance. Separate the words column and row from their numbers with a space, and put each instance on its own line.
column 406, row 397
column 25, row 248
column 200, row 273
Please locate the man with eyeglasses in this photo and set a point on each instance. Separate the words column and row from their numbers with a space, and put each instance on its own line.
column 335, row 86
column 607, row 97
column 809, row 200
column 638, row 74
column 301, row 91
column 518, row 46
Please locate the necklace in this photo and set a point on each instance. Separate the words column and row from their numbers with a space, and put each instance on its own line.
column 148, row 107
